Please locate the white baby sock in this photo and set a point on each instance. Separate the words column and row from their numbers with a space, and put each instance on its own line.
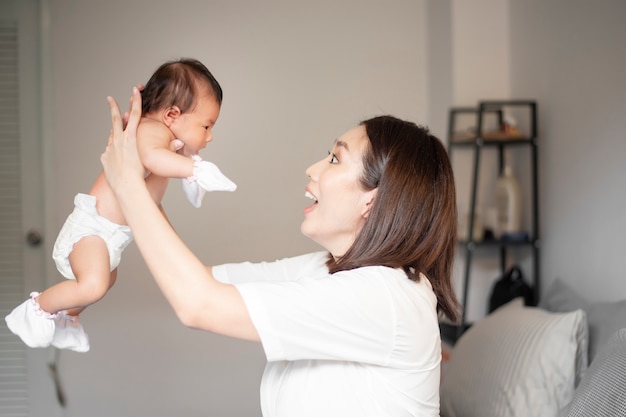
column 33, row 325
column 69, row 333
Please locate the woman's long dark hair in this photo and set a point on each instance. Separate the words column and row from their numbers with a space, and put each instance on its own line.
column 412, row 223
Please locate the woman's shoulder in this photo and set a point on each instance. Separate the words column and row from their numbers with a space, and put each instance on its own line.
column 294, row 268
column 308, row 265
column 374, row 272
column 393, row 281
column 314, row 258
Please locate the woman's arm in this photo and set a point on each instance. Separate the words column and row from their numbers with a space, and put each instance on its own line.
column 198, row 299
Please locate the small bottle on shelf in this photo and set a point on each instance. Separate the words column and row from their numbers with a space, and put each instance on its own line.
column 508, row 206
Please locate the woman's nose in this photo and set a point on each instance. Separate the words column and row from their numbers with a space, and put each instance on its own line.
column 313, row 170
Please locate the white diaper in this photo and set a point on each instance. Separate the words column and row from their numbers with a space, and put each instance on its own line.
column 85, row 221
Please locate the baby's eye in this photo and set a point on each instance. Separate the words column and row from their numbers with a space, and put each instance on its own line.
column 206, row 127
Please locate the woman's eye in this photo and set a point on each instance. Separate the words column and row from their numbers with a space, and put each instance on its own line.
column 333, row 158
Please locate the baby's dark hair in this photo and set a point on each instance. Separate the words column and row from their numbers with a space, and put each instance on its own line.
column 176, row 83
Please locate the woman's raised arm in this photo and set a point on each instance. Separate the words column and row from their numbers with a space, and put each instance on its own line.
column 198, row 299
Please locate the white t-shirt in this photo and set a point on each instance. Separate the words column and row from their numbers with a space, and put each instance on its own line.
column 360, row 343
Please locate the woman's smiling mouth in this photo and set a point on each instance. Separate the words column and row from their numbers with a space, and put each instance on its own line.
column 310, row 195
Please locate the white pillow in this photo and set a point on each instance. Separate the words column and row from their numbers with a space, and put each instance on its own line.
column 517, row 362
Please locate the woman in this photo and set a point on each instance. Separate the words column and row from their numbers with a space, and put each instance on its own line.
column 348, row 332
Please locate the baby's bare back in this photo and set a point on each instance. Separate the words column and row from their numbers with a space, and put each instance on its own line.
column 107, row 204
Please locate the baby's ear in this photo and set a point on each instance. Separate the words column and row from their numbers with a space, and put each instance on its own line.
column 171, row 114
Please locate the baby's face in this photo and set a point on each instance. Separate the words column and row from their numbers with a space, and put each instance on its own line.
column 195, row 128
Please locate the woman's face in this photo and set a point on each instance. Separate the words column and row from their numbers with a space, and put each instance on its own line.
column 340, row 204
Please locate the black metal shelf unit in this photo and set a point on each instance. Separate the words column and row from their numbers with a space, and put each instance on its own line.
column 477, row 141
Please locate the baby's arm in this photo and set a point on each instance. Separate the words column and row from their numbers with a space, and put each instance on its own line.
column 153, row 145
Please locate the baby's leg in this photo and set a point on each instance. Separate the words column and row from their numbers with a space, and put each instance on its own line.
column 90, row 263
column 76, row 311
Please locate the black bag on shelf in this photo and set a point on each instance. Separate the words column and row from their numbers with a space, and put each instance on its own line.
column 508, row 287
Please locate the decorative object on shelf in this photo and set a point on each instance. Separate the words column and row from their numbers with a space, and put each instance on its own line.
column 508, row 204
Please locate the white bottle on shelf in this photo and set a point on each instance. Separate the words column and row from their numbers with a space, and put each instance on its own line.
column 508, row 204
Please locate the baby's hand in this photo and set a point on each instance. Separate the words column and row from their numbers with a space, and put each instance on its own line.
column 206, row 177
column 176, row 144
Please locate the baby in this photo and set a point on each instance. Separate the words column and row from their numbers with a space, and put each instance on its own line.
column 180, row 105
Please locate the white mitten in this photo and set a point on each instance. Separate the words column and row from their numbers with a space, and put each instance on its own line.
column 206, row 177
column 192, row 190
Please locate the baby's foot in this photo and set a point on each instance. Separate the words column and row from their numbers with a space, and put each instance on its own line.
column 33, row 325
column 69, row 333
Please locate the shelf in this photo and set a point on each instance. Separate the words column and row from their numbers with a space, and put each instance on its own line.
column 463, row 137
column 500, row 242
column 487, row 126
column 493, row 139
column 500, row 134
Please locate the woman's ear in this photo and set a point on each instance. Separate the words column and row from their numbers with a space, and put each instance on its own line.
column 170, row 115
column 370, row 196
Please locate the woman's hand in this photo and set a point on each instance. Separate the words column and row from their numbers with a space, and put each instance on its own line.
column 127, row 114
column 120, row 159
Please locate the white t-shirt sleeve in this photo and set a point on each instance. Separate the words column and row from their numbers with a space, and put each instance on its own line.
column 287, row 269
column 361, row 315
column 372, row 315
column 330, row 318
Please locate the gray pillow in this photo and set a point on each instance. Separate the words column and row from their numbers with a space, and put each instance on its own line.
column 603, row 319
column 602, row 390
column 560, row 297
column 517, row 362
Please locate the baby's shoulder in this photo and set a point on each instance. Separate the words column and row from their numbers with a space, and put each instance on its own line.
column 153, row 132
